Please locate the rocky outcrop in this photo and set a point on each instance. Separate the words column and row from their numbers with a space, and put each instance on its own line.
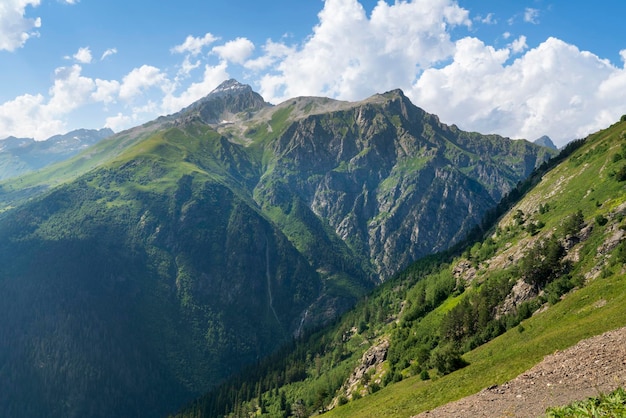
column 392, row 181
column 361, row 378
column 520, row 293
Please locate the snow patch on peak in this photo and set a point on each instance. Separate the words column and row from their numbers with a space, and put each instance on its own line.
column 229, row 86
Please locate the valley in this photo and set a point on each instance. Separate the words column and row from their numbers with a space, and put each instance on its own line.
column 240, row 258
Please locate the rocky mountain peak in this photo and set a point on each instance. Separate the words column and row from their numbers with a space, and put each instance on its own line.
column 230, row 87
column 226, row 100
column 545, row 141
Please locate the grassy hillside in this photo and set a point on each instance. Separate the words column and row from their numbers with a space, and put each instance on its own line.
column 178, row 253
column 547, row 274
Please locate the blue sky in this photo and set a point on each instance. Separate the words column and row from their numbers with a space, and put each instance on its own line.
column 520, row 68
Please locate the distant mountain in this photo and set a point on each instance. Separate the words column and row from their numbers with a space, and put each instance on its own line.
column 165, row 258
column 545, row 141
column 21, row 155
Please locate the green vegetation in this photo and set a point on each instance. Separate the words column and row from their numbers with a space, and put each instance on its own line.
column 605, row 405
column 451, row 324
column 176, row 257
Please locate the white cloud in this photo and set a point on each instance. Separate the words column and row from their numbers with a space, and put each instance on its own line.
column 106, row 91
column 193, row 45
column 15, row 27
column 108, row 53
column 487, row 20
column 118, row 122
column 553, row 89
column 69, row 91
column 22, row 117
column 212, row 77
column 531, row 15
column 141, row 79
column 236, row 51
column 32, row 116
column 273, row 52
column 350, row 56
column 518, row 91
column 83, row 55
column 186, row 68
column 518, row 45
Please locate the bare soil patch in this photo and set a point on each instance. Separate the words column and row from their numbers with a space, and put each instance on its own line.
column 593, row 366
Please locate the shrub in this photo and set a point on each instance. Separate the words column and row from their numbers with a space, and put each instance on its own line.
column 573, row 224
column 447, row 359
column 609, row 405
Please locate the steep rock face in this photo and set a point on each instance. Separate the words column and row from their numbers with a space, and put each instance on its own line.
column 189, row 248
column 392, row 181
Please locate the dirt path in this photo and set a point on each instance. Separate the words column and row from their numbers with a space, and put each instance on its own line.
column 593, row 366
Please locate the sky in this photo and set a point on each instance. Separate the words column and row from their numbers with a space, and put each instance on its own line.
column 518, row 68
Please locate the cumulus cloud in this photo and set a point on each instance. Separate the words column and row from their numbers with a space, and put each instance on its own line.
column 272, row 52
column 554, row 88
column 15, row 27
column 212, row 77
column 106, row 91
column 350, row 56
column 518, row 45
column 236, row 51
column 193, row 45
column 186, row 68
column 118, row 122
column 517, row 90
column 141, row 79
column 70, row 90
column 83, row 55
column 33, row 116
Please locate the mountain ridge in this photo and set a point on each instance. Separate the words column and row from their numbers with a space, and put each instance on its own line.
column 21, row 155
column 217, row 242
column 547, row 272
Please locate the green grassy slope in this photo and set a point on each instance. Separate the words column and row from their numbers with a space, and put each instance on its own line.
column 588, row 181
column 581, row 203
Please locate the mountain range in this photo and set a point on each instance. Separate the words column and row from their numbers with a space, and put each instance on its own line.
column 21, row 155
column 162, row 260
column 546, row 273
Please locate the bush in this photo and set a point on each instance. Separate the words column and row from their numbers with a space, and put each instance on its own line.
column 621, row 174
column 447, row 359
column 601, row 220
column 605, row 405
column 574, row 223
